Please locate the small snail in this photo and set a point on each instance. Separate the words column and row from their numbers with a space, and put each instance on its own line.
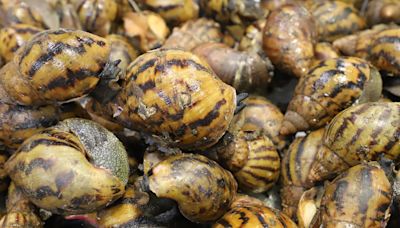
column 13, row 37
column 174, row 95
column 193, row 33
column 246, row 72
column 336, row 19
column 253, row 160
column 288, row 39
column 384, row 51
column 296, row 165
column 55, row 66
column 74, row 167
column 20, row 212
column 260, row 115
column 174, row 11
column 203, row 190
column 359, row 133
column 330, row 87
column 96, row 16
column 359, row 197
column 146, row 28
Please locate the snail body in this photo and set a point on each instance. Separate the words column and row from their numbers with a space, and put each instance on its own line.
column 359, row 133
column 54, row 66
column 193, row 113
column 51, row 169
column 288, row 39
column 330, row 87
column 203, row 190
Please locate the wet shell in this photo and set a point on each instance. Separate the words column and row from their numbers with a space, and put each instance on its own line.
column 193, row 33
column 383, row 11
column 96, row 16
column 203, row 190
column 13, row 37
column 75, row 167
column 253, row 160
column 360, row 133
column 296, row 165
column 288, row 39
column 384, row 51
column 259, row 115
column 54, row 66
column 330, row 87
column 175, row 95
column 248, row 216
column 360, row 197
column 17, row 123
column 246, row 72
column 336, row 19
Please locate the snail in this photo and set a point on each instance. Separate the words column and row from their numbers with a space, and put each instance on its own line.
column 253, row 160
column 20, row 212
column 252, row 39
column 13, row 37
column 309, row 206
column 203, row 190
column 74, row 167
column 18, row 12
column 296, row 165
column 246, row 72
column 336, row 19
column 66, row 14
column 383, row 11
column 384, row 51
column 97, row 16
column 176, row 97
column 330, row 87
column 121, row 50
column 359, row 197
column 146, row 28
column 360, row 133
column 260, row 115
column 289, row 37
column 325, row 51
column 55, row 66
column 193, row 33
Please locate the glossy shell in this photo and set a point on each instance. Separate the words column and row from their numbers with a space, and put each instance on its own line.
column 360, row 133
column 260, row 115
column 384, row 51
column 175, row 95
column 52, row 169
column 96, row 16
column 296, row 165
column 336, row 19
column 360, row 197
column 288, row 39
column 249, row 216
column 193, row 33
column 253, row 160
column 174, row 11
column 13, row 37
column 330, row 87
column 203, row 190
column 54, row 66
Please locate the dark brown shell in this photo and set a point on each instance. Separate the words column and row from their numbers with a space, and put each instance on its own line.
column 246, row 72
column 288, row 39
column 203, row 190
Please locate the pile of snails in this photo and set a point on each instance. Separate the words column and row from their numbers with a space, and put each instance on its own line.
column 203, row 113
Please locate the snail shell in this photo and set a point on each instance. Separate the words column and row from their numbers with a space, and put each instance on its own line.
column 253, row 160
column 330, row 87
column 309, row 207
column 383, row 11
column 73, row 168
column 18, row 12
column 288, row 39
column 175, row 95
column 325, row 51
column 54, row 66
column 360, row 197
column 296, row 165
column 121, row 50
column 360, row 133
column 203, row 189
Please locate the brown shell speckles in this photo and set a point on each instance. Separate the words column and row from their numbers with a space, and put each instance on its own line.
column 203, row 189
column 54, row 66
column 330, row 87
column 175, row 95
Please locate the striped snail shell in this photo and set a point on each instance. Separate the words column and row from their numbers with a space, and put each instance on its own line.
column 74, row 167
